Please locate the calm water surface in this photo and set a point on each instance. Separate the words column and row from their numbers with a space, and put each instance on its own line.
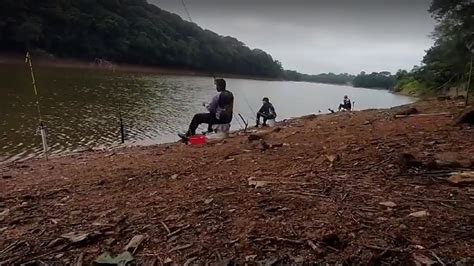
column 81, row 107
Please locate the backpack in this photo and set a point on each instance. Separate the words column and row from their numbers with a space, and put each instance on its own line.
column 226, row 104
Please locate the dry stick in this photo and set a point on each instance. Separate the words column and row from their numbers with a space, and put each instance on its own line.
column 190, row 261
column 181, row 247
column 79, row 260
column 438, row 258
column 384, row 249
column 178, row 231
column 281, row 239
column 166, row 227
column 313, row 246
column 434, row 200
column 11, row 247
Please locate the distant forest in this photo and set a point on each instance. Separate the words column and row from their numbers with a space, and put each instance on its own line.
column 136, row 32
column 130, row 31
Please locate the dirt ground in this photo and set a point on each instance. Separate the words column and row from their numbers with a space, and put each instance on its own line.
column 353, row 188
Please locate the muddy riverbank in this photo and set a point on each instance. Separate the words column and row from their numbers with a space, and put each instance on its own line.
column 357, row 188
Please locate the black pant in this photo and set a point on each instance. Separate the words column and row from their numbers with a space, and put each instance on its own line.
column 348, row 107
column 205, row 118
column 265, row 118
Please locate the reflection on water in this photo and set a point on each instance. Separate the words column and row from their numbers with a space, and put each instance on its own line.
column 81, row 107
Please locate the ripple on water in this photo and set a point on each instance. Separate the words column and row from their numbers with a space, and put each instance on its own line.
column 82, row 108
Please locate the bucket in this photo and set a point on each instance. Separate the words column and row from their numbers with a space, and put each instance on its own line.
column 271, row 122
column 198, row 140
column 221, row 130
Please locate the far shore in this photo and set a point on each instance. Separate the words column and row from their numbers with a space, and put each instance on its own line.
column 16, row 59
column 119, row 67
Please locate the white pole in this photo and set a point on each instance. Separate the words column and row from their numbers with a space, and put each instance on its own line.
column 44, row 139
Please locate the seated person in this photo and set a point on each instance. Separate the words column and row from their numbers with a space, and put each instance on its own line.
column 267, row 111
column 346, row 105
column 220, row 110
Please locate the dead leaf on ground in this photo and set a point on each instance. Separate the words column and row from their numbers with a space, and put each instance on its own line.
column 419, row 214
column 333, row 158
column 462, row 178
column 134, row 243
column 4, row 214
column 389, row 204
column 122, row 259
column 76, row 237
column 257, row 183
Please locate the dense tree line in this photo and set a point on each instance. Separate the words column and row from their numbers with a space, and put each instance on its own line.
column 330, row 78
column 133, row 31
column 380, row 80
column 130, row 31
column 448, row 62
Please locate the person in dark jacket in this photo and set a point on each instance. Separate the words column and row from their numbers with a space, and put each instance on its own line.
column 220, row 110
column 267, row 111
column 346, row 104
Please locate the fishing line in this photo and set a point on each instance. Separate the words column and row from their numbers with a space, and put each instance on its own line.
column 186, row 10
column 183, row 2
column 248, row 104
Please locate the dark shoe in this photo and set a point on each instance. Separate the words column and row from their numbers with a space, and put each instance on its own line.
column 184, row 137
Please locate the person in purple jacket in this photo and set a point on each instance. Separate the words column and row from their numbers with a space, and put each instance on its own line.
column 220, row 110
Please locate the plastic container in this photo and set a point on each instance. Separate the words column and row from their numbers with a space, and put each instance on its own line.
column 198, row 140
column 271, row 122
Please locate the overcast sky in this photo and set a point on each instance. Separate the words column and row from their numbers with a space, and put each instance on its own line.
column 314, row 36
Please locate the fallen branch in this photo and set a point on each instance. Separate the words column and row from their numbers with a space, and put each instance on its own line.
column 415, row 115
column 384, row 249
column 277, row 239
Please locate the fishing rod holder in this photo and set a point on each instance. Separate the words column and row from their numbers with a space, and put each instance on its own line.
column 41, row 128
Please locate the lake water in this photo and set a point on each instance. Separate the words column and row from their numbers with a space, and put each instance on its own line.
column 81, row 106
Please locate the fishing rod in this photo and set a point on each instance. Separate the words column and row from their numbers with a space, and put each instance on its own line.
column 122, row 128
column 183, row 2
column 246, row 123
column 42, row 127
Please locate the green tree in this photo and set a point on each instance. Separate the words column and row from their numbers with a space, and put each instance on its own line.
column 131, row 31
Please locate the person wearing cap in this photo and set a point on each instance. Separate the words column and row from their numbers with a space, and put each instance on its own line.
column 346, row 104
column 267, row 111
column 220, row 110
